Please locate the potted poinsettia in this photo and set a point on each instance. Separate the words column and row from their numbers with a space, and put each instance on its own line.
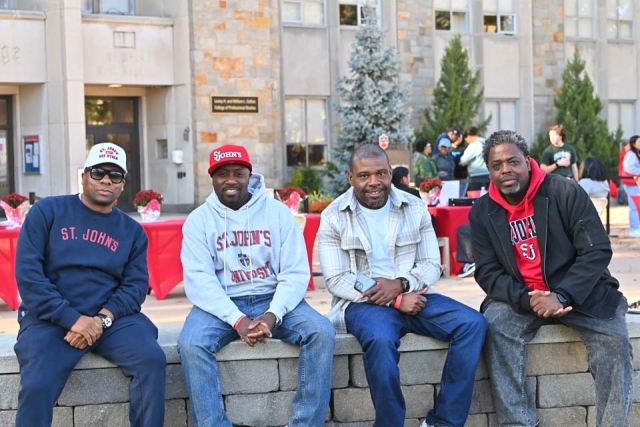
column 147, row 203
column 15, row 207
column 430, row 191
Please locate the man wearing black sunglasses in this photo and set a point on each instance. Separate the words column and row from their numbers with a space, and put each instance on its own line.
column 82, row 275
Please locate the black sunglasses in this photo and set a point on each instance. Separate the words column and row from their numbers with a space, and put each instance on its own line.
column 115, row 177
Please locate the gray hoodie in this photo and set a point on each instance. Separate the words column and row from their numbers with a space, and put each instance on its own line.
column 256, row 250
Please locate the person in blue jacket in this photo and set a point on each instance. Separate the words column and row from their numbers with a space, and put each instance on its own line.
column 81, row 269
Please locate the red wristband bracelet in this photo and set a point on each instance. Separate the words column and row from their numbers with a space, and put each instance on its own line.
column 235, row 326
column 396, row 304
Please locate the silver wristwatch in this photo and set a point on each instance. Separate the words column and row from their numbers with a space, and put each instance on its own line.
column 106, row 320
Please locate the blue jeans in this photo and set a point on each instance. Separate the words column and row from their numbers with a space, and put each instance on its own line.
column 203, row 335
column 46, row 361
column 379, row 329
column 609, row 351
column 634, row 220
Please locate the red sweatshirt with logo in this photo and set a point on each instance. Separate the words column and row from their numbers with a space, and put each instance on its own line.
column 524, row 234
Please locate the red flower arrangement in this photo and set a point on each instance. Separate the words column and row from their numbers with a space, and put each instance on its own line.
column 14, row 199
column 285, row 193
column 429, row 184
column 145, row 196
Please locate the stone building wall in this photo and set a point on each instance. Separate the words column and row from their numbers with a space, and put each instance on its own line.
column 417, row 58
column 236, row 51
column 548, row 59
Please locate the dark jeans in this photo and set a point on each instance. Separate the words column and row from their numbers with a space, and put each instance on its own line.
column 46, row 361
column 463, row 250
column 379, row 329
column 608, row 348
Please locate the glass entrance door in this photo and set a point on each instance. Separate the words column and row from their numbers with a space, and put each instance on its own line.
column 6, row 147
column 116, row 120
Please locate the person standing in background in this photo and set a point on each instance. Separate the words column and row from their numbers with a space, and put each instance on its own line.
column 631, row 166
column 472, row 159
column 444, row 161
column 423, row 165
column 456, row 152
column 559, row 158
column 624, row 178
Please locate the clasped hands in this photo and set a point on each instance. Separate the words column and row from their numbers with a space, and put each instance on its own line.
column 256, row 330
column 388, row 289
column 547, row 304
column 85, row 332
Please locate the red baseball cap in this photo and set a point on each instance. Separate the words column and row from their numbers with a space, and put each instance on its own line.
column 229, row 154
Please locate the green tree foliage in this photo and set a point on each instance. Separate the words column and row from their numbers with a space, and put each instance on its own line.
column 578, row 111
column 307, row 177
column 457, row 96
column 372, row 101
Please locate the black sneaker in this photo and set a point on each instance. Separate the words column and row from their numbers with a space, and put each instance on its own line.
column 467, row 270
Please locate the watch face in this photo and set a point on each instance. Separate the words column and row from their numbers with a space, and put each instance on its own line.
column 106, row 322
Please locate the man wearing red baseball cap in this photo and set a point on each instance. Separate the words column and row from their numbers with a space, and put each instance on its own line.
column 246, row 273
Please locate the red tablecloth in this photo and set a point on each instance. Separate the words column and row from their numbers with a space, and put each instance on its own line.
column 8, row 286
column 448, row 219
column 310, row 232
column 163, row 257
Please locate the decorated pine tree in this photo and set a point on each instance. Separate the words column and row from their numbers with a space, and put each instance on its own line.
column 372, row 102
column 457, row 96
column 579, row 112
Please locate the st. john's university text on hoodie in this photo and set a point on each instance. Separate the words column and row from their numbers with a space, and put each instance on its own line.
column 255, row 250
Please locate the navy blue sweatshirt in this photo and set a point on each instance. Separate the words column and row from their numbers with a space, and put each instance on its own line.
column 72, row 260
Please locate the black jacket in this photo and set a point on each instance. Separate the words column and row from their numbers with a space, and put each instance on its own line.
column 409, row 190
column 574, row 246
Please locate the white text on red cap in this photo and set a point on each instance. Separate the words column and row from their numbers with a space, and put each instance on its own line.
column 217, row 156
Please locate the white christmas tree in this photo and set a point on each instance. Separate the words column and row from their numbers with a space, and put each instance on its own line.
column 372, row 101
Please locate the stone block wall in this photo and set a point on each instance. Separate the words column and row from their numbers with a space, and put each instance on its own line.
column 259, row 383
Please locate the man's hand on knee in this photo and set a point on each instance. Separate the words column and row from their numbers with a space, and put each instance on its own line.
column 76, row 340
column 547, row 304
column 260, row 328
column 89, row 327
column 413, row 302
column 386, row 290
column 243, row 330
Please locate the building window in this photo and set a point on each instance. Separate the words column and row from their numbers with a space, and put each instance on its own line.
column 622, row 113
column 451, row 15
column 109, row 7
column 499, row 16
column 4, row 4
column 308, row 12
column 503, row 115
column 306, row 131
column 351, row 11
column 578, row 18
column 619, row 19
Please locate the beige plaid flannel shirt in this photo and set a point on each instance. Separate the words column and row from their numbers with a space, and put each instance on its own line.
column 344, row 246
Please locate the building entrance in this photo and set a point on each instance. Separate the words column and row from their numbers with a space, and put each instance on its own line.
column 6, row 146
column 116, row 120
